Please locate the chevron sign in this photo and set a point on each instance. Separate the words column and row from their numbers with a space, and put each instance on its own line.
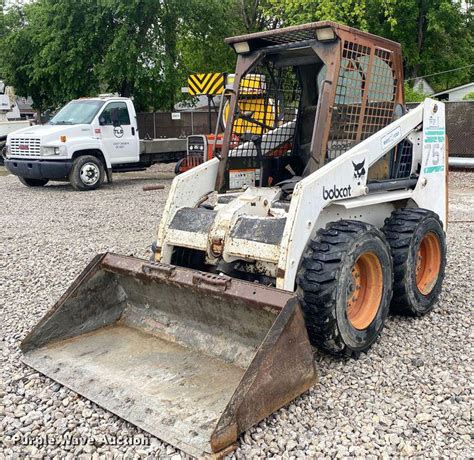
column 206, row 83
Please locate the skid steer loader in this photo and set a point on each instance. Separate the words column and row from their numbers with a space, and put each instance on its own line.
column 325, row 207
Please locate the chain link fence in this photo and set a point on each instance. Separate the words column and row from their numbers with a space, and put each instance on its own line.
column 459, row 128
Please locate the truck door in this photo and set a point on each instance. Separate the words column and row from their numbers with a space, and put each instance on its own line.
column 119, row 133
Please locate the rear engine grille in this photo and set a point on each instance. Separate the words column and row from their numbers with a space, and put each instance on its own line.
column 28, row 147
column 196, row 145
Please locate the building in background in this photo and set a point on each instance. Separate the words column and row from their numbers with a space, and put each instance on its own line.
column 455, row 94
column 423, row 87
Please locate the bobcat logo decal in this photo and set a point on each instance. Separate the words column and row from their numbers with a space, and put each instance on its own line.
column 359, row 170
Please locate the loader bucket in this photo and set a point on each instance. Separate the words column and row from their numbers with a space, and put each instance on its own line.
column 191, row 357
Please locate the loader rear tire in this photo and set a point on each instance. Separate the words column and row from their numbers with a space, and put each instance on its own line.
column 345, row 286
column 418, row 245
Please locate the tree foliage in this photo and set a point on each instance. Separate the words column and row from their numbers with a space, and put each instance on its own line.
column 436, row 35
column 56, row 50
column 292, row 12
column 412, row 95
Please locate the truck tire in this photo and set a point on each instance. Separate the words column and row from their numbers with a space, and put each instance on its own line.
column 345, row 287
column 33, row 182
column 87, row 173
column 418, row 245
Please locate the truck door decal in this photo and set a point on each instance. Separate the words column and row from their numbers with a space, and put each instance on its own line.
column 118, row 131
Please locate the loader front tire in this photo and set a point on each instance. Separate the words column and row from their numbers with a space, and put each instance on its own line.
column 345, row 286
column 418, row 246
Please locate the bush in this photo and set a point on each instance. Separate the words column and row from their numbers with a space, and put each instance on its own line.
column 412, row 95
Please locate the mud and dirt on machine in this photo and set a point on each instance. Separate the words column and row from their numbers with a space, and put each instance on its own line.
column 325, row 208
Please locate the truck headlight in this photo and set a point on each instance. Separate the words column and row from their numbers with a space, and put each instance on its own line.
column 7, row 151
column 48, row 151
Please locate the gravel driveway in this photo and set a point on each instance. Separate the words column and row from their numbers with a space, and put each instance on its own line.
column 411, row 395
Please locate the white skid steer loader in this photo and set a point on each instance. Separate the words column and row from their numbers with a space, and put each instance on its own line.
column 325, row 208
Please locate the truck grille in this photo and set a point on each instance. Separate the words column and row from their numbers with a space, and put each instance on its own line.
column 21, row 146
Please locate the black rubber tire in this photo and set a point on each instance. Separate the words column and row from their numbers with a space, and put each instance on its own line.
column 75, row 174
column 33, row 182
column 178, row 166
column 404, row 230
column 323, row 284
column 188, row 258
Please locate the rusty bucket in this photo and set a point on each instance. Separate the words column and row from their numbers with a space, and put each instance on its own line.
column 191, row 357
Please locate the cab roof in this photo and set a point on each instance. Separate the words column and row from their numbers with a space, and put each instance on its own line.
column 306, row 32
column 103, row 98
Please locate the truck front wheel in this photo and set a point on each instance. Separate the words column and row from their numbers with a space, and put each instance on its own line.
column 87, row 173
column 33, row 182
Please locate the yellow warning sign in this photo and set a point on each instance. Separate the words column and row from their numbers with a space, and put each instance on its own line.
column 206, row 83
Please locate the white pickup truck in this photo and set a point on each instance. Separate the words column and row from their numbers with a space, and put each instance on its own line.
column 84, row 143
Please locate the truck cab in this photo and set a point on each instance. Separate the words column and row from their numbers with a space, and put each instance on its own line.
column 82, row 143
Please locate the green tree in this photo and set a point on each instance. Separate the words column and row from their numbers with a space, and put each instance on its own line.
column 201, row 39
column 411, row 95
column 436, row 35
column 292, row 12
column 141, row 54
column 50, row 49
column 253, row 17
column 56, row 50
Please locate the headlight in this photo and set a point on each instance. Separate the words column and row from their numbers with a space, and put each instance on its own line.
column 48, row 151
column 7, row 151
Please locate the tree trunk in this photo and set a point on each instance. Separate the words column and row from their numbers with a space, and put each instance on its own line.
column 422, row 25
column 126, row 88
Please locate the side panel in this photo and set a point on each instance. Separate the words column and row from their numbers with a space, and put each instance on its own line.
column 431, row 190
column 343, row 178
column 187, row 190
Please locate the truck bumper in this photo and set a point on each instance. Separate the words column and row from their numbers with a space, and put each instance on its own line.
column 39, row 169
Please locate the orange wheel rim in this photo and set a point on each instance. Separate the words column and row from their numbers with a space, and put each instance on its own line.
column 365, row 291
column 428, row 263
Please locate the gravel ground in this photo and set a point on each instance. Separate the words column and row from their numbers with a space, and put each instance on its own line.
column 411, row 395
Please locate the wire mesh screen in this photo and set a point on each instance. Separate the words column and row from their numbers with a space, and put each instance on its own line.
column 381, row 94
column 365, row 97
column 402, row 160
column 265, row 119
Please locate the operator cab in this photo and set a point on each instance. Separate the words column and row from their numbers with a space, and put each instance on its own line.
column 303, row 96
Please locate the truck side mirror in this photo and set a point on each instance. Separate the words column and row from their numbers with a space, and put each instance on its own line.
column 101, row 120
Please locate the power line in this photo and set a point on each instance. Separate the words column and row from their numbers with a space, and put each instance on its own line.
column 439, row 73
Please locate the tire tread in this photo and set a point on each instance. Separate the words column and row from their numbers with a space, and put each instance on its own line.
column 318, row 280
column 399, row 229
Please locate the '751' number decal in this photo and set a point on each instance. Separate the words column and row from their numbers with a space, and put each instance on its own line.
column 434, row 153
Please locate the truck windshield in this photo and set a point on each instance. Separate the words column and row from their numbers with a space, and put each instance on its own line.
column 77, row 112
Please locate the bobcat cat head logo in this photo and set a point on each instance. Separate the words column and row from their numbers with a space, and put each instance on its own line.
column 359, row 169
